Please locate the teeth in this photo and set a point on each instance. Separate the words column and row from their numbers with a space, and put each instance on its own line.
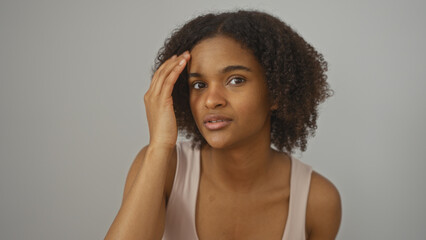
column 216, row 121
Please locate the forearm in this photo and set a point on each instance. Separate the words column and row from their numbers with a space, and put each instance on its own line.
column 142, row 210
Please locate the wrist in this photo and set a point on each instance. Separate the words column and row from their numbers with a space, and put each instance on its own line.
column 158, row 144
column 161, row 148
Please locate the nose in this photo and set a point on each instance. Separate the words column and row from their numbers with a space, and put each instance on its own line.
column 214, row 97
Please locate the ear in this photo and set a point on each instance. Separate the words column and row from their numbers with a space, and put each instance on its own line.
column 274, row 107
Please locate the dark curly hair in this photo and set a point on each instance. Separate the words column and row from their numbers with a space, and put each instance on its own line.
column 294, row 70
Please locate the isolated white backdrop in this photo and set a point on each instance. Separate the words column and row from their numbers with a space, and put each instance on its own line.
column 72, row 119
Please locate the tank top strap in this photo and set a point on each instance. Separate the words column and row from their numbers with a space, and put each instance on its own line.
column 180, row 213
column 300, row 180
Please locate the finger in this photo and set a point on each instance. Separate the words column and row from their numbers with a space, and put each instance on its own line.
column 181, row 60
column 157, row 72
column 166, row 72
column 170, row 81
column 171, row 59
column 162, row 73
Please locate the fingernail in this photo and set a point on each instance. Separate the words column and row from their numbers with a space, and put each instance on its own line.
column 182, row 62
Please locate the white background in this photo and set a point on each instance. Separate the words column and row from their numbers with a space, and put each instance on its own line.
column 72, row 118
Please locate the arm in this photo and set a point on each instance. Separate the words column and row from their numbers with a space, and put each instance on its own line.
column 142, row 213
column 324, row 210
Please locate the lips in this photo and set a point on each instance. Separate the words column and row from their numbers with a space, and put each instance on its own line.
column 216, row 117
column 216, row 122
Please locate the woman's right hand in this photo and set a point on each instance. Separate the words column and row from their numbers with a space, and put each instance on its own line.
column 159, row 102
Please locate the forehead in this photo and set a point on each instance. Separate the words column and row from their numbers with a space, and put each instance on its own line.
column 218, row 52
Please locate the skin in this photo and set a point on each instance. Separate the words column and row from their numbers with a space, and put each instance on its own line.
column 238, row 163
column 239, row 154
column 244, row 184
column 142, row 212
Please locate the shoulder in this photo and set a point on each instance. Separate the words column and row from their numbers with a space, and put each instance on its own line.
column 134, row 170
column 324, row 210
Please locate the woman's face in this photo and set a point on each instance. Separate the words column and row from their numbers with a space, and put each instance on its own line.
column 228, row 93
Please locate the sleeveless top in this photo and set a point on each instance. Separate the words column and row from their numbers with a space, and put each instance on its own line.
column 180, row 213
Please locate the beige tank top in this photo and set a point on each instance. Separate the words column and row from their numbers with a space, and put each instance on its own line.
column 180, row 213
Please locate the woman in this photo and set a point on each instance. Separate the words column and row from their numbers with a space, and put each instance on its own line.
column 234, row 83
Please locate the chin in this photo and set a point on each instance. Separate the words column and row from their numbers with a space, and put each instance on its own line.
column 215, row 141
column 216, row 145
column 218, row 142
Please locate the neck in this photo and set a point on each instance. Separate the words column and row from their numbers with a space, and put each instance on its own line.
column 243, row 168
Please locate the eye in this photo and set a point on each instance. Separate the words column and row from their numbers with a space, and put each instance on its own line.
column 198, row 85
column 236, row 80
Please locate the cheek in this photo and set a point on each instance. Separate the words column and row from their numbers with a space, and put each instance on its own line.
column 253, row 110
column 193, row 101
column 254, row 107
column 249, row 111
column 255, row 102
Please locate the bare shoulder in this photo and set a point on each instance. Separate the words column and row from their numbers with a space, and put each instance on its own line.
column 138, row 164
column 324, row 209
column 134, row 170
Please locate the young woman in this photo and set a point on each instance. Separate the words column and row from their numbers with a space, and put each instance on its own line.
column 235, row 83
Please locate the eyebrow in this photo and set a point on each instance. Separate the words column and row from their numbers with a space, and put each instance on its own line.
column 224, row 70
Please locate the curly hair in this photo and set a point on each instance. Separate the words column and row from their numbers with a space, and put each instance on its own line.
column 294, row 70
